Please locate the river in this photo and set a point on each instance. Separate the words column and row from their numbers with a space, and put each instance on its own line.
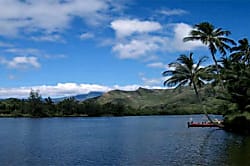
column 142, row 140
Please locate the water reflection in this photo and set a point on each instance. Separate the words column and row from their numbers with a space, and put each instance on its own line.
column 238, row 150
column 224, row 148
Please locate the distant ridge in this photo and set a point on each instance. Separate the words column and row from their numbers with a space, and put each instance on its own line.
column 80, row 97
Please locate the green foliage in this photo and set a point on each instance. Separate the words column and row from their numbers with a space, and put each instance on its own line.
column 241, row 52
column 214, row 38
column 238, row 122
column 185, row 72
column 68, row 106
column 236, row 77
column 35, row 105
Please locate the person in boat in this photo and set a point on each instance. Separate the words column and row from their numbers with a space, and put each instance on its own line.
column 191, row 120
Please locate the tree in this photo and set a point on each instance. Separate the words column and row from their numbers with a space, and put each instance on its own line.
column 241, row 52
column 68, row 106
column 186, row 72
column 50, row 107
column 235, row 72
column 236, row 76
column 35, row 104
column 214, row 38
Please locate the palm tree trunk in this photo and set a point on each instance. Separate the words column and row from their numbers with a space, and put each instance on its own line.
column 203, row 108
column 217, row 70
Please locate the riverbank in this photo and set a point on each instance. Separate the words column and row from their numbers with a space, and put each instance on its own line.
column 101, row 115
column 238, row 123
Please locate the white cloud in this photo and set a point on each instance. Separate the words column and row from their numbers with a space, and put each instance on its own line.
column 21, row 92
column 48, row 38
column 33, row 52
column 135, row 48
column 182, row 30
column 152, row 82
column 48, row 15
column 56, row 56
column 173, row 12
column 128, row 27
column 171, row 67
column 66, row 89
column 23, row 51
column 158, row 65
column 146, row 45
column 87, row 35
column 21, row 62
column 25, row 58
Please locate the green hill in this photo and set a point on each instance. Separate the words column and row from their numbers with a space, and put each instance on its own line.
column 118, row 103
column 162, row 101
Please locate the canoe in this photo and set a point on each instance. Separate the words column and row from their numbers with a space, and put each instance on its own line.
column 202, row 124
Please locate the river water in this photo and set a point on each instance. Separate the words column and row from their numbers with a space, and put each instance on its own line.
column 145, row 140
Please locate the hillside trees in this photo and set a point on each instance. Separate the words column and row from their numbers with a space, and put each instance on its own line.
column 35, row 104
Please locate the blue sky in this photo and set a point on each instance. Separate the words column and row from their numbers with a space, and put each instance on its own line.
column 68, row 47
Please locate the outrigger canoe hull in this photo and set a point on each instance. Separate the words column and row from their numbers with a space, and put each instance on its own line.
column 194, row 124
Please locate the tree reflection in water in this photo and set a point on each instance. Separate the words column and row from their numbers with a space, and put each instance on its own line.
column 239, row 151
column 224, row 148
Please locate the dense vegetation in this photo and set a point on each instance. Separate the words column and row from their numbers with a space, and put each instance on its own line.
column 230, row 74
column 35, row 106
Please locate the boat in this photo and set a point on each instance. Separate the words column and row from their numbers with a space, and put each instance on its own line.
column 201, row 124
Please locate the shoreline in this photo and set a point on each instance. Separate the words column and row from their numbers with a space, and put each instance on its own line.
column 87, row 116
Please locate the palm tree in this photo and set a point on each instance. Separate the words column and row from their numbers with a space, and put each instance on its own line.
column 241, row 52
column 186, row 72
column 236, row 76
column 214, row 38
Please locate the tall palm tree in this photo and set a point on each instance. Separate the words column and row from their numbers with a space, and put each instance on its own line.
column 186, row 72
column 241, row 52
column 214, row 38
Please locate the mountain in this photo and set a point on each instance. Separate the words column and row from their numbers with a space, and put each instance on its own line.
column 179, row 101
column 90, row 95
column 80, row 97
column 146, row 97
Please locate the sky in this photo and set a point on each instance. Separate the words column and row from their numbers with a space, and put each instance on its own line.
column 69, row 47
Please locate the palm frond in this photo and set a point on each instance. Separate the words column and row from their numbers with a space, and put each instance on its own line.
column 226, row 40
column 189, row 38
column 185, row 72
column 201, row 60
column 167, row 73
column 220, row 32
